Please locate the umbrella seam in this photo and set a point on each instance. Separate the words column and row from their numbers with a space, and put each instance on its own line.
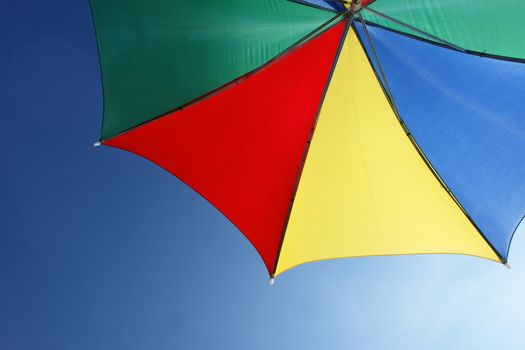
column 446, row 46
column 310, row 137
column 390, row 98
column 304, row 40
column 403, row 24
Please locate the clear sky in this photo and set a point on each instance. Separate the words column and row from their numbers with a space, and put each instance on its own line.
column 100, row 249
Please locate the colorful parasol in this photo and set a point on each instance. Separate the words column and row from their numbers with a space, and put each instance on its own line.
column 328, row 129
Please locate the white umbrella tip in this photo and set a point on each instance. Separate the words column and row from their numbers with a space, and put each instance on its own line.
column 272, row 281
column 96, row 144
column 507, row 265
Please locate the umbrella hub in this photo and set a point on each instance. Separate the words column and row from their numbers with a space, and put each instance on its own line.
column 352, row 6
column 355, row 6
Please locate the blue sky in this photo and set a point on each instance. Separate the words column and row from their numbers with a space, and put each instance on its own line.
column 100, row 249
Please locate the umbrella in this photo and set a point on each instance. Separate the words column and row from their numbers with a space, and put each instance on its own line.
column 328, row 129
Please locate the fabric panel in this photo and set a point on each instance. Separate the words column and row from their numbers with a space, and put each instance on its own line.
column 364, row 189
column 468, row 115
column 495, row 28
column 158, row 55
column 242, row 148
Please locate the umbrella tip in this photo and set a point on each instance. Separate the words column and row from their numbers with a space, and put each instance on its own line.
column 96, row 144
column 272, row 281
column 507, row 265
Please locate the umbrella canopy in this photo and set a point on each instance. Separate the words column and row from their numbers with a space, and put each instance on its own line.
column 324, row 129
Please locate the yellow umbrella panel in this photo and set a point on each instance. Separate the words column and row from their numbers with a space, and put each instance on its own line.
column 365, row 190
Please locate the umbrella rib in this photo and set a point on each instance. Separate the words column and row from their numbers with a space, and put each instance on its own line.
column 308, row 142
column 422, row 32
column 445, row 46
column 379, row 66
column 389, row 95
column 236, row 81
